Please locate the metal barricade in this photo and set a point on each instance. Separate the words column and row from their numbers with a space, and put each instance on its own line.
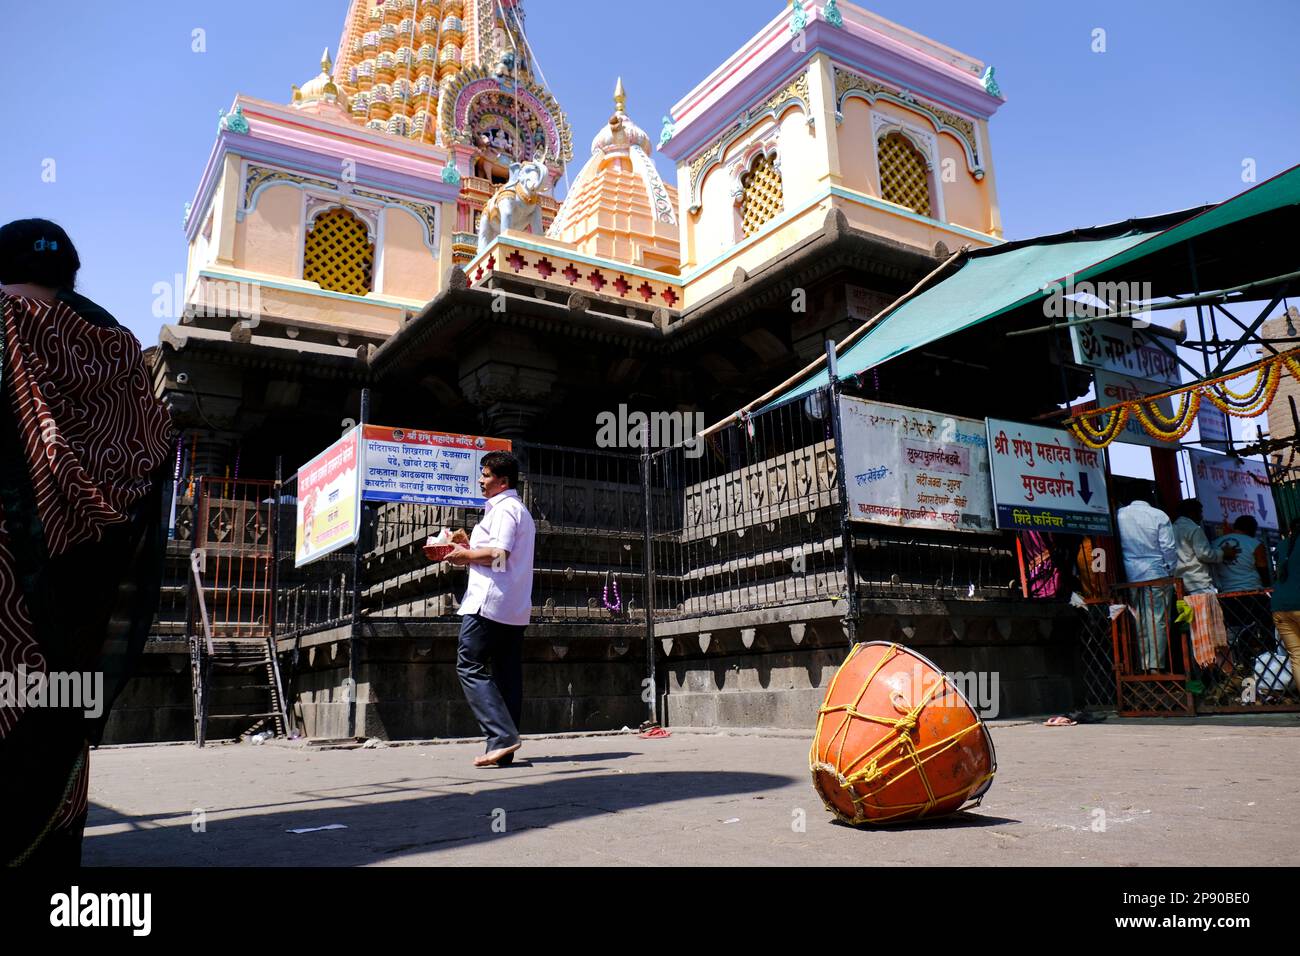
column 232, row 529
column 1151, row 654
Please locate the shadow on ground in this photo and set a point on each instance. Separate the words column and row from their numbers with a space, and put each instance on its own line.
column 439, row 814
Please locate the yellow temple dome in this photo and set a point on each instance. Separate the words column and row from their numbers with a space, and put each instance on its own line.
column 321, row 88
column 619, row 208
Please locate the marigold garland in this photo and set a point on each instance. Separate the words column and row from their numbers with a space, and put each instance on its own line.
column 1099, row 437
column 1153, row 408
column 1248, row 404
column 1251, row 393
column 1292, row 362
column 1173, row 428
column 1251, row 404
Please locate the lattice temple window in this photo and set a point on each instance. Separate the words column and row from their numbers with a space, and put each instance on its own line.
column 763, row 198
column 904, row 174
column 339, row 255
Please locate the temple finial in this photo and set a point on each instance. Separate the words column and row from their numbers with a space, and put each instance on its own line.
column 620, row 97
column 326, row 64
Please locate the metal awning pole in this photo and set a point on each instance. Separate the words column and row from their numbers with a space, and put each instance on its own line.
column 846, row 528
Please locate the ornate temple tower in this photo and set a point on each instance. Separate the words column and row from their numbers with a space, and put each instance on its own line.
column 458, row 74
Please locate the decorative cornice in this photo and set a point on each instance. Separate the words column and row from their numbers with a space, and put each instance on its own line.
column 258, row 178
column 428, row 215
column 794, row 93
column 703, row 114
column 848, row 83
column 232, row 122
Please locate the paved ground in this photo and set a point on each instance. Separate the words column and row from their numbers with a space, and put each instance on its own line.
column 1213, row 792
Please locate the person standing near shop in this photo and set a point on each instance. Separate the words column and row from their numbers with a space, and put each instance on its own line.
column 1196, row 557
column 1243, row 575
column 496, row 609
column 1286, row 599
column 1247, row 577
column 1146, row 540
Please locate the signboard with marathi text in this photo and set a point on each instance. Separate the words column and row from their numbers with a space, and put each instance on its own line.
column 329, row 507
column 1113, row 389
column 1228, row 488
column 915, row 469
column 1044, row 479
column 1214, row 428
column 1117, row 348
column 421, row 467
column 864, row 304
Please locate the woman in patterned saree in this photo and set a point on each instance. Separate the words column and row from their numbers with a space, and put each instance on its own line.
column 83, row 446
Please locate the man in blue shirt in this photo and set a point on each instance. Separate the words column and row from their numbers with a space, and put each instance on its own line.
column 1246, row 573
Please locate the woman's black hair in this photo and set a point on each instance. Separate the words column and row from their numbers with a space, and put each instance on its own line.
column 38, row 252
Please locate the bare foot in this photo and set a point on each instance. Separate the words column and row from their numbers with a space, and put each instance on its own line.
column 491, row 758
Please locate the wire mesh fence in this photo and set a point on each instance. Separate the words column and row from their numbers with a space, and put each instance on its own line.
column 1251, row 670
column 1097, row 654
column 746, row 518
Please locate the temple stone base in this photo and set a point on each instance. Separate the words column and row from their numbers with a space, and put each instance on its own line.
column 771, row 668
column 575, row 679
column 156, row 706
column 758, row 669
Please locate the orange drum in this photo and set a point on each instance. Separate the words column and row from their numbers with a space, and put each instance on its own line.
column 897, row 740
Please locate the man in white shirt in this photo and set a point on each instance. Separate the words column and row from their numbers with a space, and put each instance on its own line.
column 1146, row 539
column 1195, row 553
column 496, row 609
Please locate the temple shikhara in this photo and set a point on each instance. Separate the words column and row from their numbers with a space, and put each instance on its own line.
column 387, row 245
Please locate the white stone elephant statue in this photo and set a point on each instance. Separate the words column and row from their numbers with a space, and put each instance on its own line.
column 517, row 205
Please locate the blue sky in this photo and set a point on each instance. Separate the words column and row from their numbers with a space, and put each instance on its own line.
column 1163, row 119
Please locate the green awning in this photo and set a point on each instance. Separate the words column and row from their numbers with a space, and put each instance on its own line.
column 991, row 282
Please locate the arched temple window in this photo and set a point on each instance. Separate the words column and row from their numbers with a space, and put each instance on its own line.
column 339, row 255
column 763, row 197
column 904, row 174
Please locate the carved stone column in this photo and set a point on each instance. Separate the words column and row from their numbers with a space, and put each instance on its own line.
column 512, row 384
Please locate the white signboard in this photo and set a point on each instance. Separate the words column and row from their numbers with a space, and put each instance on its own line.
column 1214, row 428
column 433, row 468
column 915, row 469
column 1045, row 479
column 1113, row 389
column 1231, row 487
column 1117, row 348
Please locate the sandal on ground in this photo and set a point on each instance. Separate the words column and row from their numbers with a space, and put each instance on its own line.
column 493, row 757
